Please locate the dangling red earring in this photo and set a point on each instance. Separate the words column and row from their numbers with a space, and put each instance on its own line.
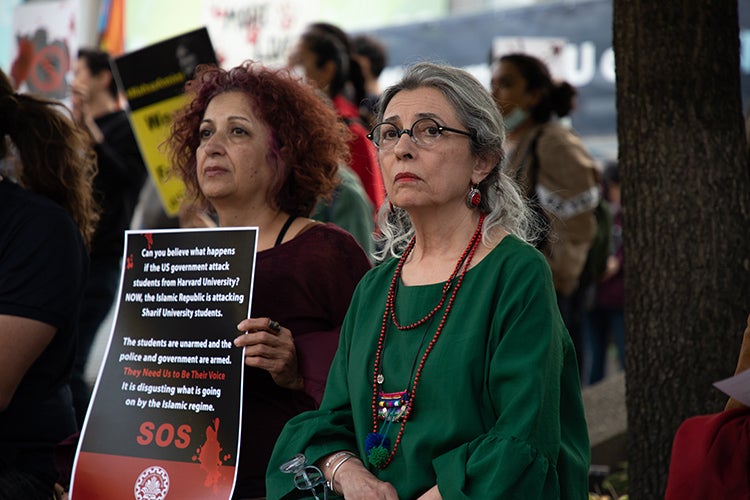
column 474, row 198
column 393, row 209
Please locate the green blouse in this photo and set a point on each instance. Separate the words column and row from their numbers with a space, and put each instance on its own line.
column 498, row 410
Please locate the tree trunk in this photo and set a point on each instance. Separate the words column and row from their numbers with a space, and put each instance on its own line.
column 686, row 209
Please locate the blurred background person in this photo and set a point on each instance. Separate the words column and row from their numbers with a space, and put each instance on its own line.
column 555, row 169
column 323, row 55
column 258, row 148
column 349, row 208
column 372, row 56
column 120, row 177
column 604, row 323
column 47, row 217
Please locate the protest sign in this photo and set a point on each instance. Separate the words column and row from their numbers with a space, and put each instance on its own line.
column 46, row 41
column 257, row 30
column 166, row 410
column 153, row 80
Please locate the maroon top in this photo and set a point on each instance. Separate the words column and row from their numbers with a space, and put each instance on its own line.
column 306, row 285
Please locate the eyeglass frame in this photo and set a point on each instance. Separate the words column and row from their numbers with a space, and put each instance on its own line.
column 306, row 477
column 410, row 131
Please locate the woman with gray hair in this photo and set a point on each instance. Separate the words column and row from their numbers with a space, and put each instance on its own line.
column 454, row 376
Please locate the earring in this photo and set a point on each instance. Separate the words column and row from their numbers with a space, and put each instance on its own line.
column 474, row 198
column 392, row 208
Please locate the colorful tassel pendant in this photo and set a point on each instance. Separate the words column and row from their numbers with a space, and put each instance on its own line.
column 377, row 448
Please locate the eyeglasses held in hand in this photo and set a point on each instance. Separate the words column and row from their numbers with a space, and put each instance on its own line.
column 306, row 477
column 424, row 132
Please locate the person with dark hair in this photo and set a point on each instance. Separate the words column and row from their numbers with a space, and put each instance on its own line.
column 117, row 186
column 324, row 55
column 605, row 321
column 372, row 56
column 555, row 169
column 454, row 376
column 258, row 148
column 47, row 218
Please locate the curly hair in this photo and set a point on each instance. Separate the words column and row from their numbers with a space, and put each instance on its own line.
column 308, row 140
column 56, row 157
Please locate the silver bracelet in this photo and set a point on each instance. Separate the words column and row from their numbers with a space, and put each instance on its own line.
column 335, row 469
column 336, row 455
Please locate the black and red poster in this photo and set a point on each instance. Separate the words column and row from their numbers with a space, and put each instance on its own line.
column 164, row 419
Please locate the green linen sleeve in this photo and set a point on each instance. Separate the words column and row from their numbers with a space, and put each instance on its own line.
column 538, row 447
column 320, row 432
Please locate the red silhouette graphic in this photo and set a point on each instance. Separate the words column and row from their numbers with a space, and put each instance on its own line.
column 149, row 240
column 21, row 67
column 209, row 456
column 129, row 263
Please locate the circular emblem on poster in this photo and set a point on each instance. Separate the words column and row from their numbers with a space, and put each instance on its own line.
column 152, row 484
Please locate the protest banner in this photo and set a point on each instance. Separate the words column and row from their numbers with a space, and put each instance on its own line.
column 45, row 36
column 166, row 409
column 153, row 80
column 258, row 30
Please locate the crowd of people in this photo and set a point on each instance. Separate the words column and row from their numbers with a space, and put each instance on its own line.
column 419, row 260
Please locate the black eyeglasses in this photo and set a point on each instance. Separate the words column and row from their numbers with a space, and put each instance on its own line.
column 424, row 132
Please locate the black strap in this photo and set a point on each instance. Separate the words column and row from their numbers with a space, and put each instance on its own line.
column 534, row 172
column 533, row 167
column 284, row 229
column 542, row 217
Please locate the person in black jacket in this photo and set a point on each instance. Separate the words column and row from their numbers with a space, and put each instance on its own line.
column 47, row 218
column 117, row 185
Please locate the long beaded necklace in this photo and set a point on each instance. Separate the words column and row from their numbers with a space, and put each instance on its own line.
column 394, row 407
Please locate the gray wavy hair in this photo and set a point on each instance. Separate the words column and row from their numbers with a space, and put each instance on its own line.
column 502, row 199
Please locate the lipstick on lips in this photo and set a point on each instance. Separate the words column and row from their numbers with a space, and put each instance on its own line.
column 405, row 176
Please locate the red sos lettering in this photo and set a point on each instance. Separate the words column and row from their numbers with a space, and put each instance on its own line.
column 164, row 436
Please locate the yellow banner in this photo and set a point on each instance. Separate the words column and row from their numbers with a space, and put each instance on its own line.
column 151, row 125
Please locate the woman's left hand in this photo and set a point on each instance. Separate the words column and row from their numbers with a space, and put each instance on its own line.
column 269, row 346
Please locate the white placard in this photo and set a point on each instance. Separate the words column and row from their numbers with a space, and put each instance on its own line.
column 260, row 30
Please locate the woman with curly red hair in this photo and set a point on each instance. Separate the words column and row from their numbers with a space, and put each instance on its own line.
column 259, row 148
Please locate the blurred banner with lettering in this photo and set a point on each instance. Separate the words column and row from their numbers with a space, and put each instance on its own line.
column 549, row 49
column 166, row 409
column 260, row 30
column 153, row 80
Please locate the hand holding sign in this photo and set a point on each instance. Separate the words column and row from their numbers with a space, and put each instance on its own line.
column 270, row 349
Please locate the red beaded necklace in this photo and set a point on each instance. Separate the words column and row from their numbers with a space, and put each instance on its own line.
column 377, row 444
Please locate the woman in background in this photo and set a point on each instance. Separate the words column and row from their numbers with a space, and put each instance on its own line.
column 324, row 55
column 554, row 168
column 47, row 217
